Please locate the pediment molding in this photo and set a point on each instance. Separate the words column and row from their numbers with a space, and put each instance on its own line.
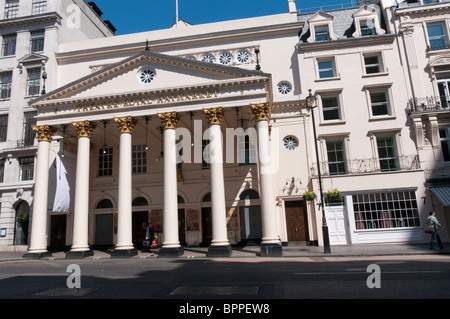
column 108, row 72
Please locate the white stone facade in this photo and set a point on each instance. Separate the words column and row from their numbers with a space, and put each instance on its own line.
column 31, row 32
column 119, row 108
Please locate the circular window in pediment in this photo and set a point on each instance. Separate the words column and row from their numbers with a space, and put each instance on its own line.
column 225, row 58
column 243, row 56
column 146, row 75
column 208, row 58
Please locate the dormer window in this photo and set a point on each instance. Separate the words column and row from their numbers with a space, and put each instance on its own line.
column 322, row 33
column 367, row 27
column 367, row 21
column 321, row 27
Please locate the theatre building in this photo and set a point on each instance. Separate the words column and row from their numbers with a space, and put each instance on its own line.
column 207, row 133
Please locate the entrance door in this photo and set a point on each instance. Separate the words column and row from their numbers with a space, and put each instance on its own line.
column 58, row 232
column 104, row 229
column 140, row 220
column 336, row 225
column 296, row 221
column 206, row 226
column 251, row 225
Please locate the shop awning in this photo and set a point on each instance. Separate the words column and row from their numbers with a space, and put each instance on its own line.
column 443, row 194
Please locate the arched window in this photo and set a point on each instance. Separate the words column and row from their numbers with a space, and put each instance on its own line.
column 249, row 194
column 207, row 198
column 104, row 203
column 180, row 200
column 140, row 201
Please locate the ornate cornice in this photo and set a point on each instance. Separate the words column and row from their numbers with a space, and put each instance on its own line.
column 126, row 124
column 44, row 132
column 84, row 128
column 214, row 116
column 169, row 120
column 261, row 111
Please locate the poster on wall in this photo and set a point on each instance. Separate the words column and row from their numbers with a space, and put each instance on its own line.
column 156, row 220
column 232, row 220
column 193, row 219
column 115, row 222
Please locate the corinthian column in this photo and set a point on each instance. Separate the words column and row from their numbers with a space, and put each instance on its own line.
column 80, row 247
column 38, row 241
column 124, row 246
column 270, row 244
column 220, row 246
column 171, row 245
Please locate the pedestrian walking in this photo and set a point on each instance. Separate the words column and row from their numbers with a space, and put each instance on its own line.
column 148, row 238
column 433, row 222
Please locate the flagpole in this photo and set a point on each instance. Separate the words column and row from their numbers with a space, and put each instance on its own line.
column 176, row 16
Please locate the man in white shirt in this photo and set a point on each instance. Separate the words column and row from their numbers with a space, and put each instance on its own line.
column 433, row 222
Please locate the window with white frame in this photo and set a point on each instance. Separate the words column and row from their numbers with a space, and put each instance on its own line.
column 326, row 68
column 330, row 107
column 322, row 33
column 386, row 210
column 437, row 36
column 2, row 170
column 367, row 27
column 33, row 81
column 39, row 7
column 105, row 161
column 443, row 82
column 372, row 63
column 26, row 168
column 37, row 41
column 29, row 120
column 5, row 84
column 444, row 136
column 3, row 127
column 246, row 150
column 387, row 153
column 11, row 9
column 379, row 102
column 205, row 153
column 139, row 159
column 9, row 45
column 336, row 157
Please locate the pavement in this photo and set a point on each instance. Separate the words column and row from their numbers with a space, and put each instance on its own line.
column 359, row 250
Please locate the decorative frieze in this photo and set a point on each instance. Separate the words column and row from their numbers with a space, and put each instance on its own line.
column 44, row 132
column 84, row 128
column 126, row 124
column 214, row 115
column 261, row 111
column 169, row 120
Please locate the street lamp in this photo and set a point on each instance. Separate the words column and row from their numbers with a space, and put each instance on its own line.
column 311, row 105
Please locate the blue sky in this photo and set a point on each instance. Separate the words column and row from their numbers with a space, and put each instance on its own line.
column 130, row 16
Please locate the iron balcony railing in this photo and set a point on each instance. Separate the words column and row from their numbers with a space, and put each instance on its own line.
column 428, row 104
column 367, row 166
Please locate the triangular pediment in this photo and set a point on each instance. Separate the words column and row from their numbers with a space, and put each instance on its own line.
column 320, row 16
column 366, row 10
column 148, row 72
column 33, row 58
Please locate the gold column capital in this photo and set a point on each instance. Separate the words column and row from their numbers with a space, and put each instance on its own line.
column 44, row 132
column 261, row 111
column 169, row 120
column 126, row 124
column 214, row 115
column 84, row 128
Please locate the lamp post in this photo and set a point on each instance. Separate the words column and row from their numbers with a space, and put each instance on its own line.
column 311, row 105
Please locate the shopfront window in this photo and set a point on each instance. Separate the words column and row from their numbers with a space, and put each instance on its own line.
column 386, row 210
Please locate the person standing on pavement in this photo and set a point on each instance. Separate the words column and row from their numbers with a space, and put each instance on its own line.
column 433, row 222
